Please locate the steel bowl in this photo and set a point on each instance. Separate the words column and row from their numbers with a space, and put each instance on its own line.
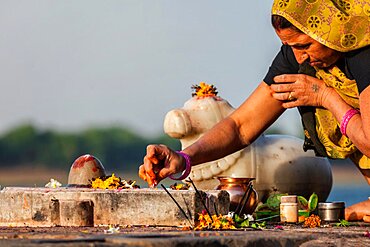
column 331, row 211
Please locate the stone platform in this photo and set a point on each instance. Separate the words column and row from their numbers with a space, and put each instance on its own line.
column 43, row 207
column 287, row 235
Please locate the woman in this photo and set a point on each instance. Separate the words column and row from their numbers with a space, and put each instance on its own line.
column 323, row 68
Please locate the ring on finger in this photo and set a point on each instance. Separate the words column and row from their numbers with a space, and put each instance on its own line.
column 290, row 96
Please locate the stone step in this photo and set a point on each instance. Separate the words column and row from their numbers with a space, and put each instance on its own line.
column 21, row 206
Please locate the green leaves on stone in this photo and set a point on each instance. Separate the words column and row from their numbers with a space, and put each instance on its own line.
column 312, row 202
column 342, row 223
column 273, row 201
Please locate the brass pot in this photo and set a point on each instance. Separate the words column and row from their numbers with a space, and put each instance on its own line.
column 237, row 188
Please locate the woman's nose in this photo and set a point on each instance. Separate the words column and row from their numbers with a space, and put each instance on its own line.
column 301, row 57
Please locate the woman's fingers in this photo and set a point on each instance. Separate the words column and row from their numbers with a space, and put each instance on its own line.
column 148, row 167
column 153, row 161
column 299, row 90
column 288, row 96
column 283, row 87
column 163, row 173
column 144, row 176
column 366, row 218
column 152, row 169
column 159, row 163
column 287, row 82
column 151, row 153
column 286, row 78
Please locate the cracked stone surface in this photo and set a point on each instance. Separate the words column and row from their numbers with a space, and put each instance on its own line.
column 150, row 236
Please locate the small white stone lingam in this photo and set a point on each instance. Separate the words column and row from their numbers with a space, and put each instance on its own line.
column 278, row 162
column 83, row 170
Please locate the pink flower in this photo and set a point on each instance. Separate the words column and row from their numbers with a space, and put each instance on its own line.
column 279, row 227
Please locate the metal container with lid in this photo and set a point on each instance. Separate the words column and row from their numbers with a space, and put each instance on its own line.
column 331, row 211
column 289, row 209
column 289, row 199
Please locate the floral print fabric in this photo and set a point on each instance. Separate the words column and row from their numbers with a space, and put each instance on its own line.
column 343, row 25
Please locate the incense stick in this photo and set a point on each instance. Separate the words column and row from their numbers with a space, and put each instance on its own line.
column 178, row 205
column 244, row 200
column 215, row 206
column 201, row 199
column 266, row 218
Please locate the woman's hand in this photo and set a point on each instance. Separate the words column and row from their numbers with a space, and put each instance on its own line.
column 300, row 90
column 159, row 163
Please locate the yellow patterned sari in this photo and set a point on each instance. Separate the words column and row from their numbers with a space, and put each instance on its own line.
column 343, row 25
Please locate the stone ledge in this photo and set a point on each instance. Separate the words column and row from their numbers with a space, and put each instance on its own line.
column 292, row 235
column 93, row 207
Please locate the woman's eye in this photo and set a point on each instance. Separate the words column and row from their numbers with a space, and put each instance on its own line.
column 301, row 47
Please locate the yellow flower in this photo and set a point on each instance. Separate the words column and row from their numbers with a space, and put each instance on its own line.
column 219, row 222
column 204, row 90
column 111, row 182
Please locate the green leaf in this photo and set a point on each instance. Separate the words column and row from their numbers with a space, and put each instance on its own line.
column 238, row 219
column 273, row 202
column 223, row 221
column 312, row 202
column 245, row 223
column 257, row 225
column 262, row 207
column 302, row 202
column 342, row 223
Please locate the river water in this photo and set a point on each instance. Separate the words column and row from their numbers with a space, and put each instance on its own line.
column 349, row 185
column 350, row 194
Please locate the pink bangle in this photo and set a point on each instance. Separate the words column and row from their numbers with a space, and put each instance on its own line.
column 343, row 125
column 187, row 168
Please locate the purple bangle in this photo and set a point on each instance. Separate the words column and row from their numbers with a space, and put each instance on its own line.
column 343, row 125
column 187, row 168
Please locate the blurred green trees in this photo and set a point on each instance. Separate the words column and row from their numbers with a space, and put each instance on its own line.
column 115, row 147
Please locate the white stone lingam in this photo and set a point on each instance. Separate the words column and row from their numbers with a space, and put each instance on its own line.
column 278, row 162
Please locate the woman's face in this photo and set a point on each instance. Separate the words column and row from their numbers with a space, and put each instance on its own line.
column 306, row 48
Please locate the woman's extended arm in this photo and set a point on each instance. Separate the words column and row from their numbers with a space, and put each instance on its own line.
column 358, row 128
column 239, row 129
column 233, row 133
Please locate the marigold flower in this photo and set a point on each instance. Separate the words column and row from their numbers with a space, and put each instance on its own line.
column 204, row 90
column 112, row 183
column 312, row 221
column 219, row 222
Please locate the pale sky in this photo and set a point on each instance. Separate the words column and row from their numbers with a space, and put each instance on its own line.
column 72, row 64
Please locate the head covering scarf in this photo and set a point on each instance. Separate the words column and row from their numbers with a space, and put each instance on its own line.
column 342, row 25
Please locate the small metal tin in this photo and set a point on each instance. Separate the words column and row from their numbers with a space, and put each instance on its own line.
column 331, row 211
column 289, row 199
